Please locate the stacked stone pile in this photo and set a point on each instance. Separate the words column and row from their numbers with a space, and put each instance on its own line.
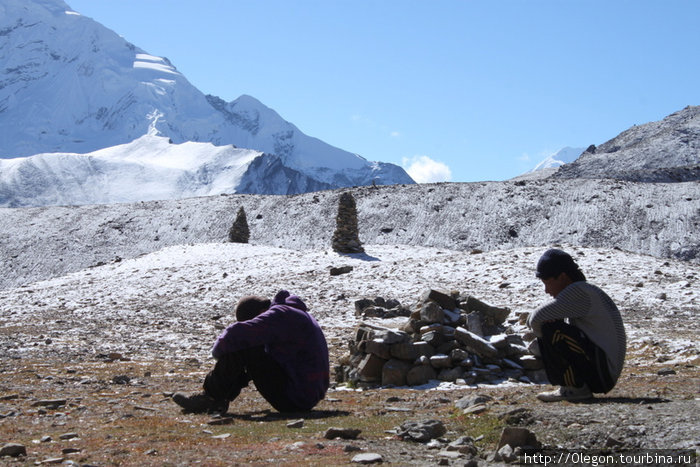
column 448, row 337
column 346, row 236
column 239, row 231
column 380, row 307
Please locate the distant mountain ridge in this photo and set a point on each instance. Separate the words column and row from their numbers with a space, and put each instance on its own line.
column 70, row 85
column 662, row 151
column 658, row 219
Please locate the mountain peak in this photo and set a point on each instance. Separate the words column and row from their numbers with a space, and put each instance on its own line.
column 70, row 85
column 663, row 151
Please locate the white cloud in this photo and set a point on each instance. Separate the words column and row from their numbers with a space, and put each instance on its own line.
column 423, row 169
column 395, row 134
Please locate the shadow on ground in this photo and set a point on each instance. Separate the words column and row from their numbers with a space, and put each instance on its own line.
column 271, row 416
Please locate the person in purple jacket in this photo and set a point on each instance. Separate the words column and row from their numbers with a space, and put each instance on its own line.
column 277, row 345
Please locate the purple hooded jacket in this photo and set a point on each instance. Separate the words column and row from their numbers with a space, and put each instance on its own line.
column 293, row 338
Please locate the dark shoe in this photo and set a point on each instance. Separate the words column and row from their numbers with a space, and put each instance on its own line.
column 200, row 403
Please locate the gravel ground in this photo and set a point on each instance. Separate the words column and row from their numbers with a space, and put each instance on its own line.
column 152, row 320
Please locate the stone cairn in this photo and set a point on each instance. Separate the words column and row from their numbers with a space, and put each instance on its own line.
column 239, row 232
column 346, row 236
column 448, row 337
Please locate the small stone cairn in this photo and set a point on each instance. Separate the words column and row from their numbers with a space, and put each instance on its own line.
column 448, row 337
column 239, row 231
column 346, row 236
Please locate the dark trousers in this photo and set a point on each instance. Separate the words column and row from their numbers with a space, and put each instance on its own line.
column 571, row 359
column 234, row 371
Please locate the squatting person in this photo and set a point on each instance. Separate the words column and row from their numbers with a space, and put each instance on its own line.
column 279, row 346
column 580, row 334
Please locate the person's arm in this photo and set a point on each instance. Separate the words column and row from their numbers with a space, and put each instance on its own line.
column 572, row 302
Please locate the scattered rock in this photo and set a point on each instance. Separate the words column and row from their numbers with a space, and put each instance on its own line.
column 469, row 401
column 341, row 270
column 342, row 433
column 67, row 436
column 518, row 437
column 519, row 416
column 368, row 458
column 13, row 450
column 296, row 424
column 666, row 372
column 475, row 409
column 505, row 454
column 613, row 442
column 113, row 356
column 50, row 403
column 121, row 379
column 421, row 431
column 463, row 444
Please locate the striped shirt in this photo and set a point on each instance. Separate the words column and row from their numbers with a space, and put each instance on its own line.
column 592, row 311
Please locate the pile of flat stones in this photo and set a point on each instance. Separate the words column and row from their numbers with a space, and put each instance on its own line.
column 448, row 337
column 346, row 236
column 379, row 307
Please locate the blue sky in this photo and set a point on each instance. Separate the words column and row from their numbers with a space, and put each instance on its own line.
column 452, row 90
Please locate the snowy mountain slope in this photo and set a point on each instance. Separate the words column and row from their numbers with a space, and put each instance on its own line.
column 663, row 151
column 662, row 220
column 148, row 168
column 551, row 164
column 68, row 84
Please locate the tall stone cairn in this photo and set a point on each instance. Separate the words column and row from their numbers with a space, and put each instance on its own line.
column 239, row 232
column 346, row 236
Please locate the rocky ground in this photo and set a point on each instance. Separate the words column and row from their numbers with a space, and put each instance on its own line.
column 89, row 361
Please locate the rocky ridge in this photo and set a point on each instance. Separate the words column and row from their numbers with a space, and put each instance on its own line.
column 663, row 151
column 662, row 220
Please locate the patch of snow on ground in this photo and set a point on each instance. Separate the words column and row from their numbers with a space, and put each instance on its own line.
column 174, row 302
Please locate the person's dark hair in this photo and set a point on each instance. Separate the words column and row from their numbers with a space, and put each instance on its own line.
column 554, row 261
column 251, row 306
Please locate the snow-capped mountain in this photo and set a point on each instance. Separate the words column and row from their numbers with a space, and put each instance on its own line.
column 160, row 170
column 70, row 85
column 663, row 151
column 556, row 160
column 548, row 166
